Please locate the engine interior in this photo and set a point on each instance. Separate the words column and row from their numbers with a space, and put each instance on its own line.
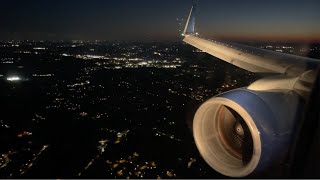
column 227, row 138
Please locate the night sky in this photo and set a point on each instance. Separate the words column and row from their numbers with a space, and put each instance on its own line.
column 157, row 19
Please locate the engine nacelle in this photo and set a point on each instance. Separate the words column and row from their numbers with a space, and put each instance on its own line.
column 244, row 131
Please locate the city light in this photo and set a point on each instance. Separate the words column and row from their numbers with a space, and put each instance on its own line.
column 13, row 78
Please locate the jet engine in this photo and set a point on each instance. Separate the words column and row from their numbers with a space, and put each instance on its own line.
column 243, row 131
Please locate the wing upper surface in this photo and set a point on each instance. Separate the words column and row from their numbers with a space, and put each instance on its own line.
column 254, row 59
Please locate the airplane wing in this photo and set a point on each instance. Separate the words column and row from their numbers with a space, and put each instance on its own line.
column 252, row 129
column 249, row 58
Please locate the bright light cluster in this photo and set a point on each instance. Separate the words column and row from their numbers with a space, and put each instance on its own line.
column 13, row 78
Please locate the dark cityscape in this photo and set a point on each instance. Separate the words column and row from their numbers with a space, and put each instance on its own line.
column 108, row 109
column 105, row 89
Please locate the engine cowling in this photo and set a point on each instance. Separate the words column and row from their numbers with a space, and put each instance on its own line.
column 243, row 132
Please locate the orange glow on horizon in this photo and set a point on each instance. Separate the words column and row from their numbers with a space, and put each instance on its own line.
column 287, row 38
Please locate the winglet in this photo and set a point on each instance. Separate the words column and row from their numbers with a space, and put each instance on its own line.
column 190, row 26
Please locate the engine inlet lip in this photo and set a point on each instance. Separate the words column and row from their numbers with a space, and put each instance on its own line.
column 215, row 162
